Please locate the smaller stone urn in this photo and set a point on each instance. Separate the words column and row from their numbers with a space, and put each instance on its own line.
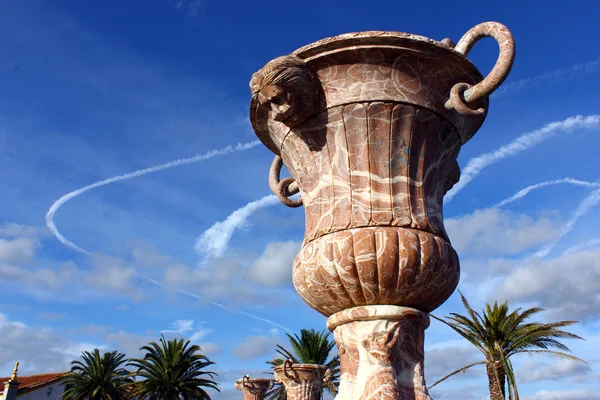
column 302, row 381
column 253, row 388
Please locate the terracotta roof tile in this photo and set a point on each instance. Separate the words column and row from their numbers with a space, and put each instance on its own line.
column 31, row 382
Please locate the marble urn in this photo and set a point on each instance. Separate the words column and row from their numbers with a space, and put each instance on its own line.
column 302, row 381
column 369, row 126
column 253, row 388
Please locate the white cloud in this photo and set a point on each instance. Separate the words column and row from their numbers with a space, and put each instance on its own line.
column 274, row 266
column 215, row 240
column 567, row 285
column 588, row 203
column 17, row 251
column 495, row 232
column 462, row 393
column 442, row 361
column 521, row 143
column 37, row 349
column 220, row 280
column 193, row 332
column 565, row 395
column 181, row 326
column 256, row 346
column 559, row 369
column 524, row 192
column 12, row 230
column 127, row 343
column 548, row 77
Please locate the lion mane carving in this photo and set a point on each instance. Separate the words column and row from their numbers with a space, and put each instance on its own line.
column 291, row 88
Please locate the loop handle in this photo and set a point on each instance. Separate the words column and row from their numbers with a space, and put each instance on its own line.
column 285, row 368
column 285, row 187
column 462, row 95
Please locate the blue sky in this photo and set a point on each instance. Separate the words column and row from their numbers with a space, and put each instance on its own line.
column 94, row 90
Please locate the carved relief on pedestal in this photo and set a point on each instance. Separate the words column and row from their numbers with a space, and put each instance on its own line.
column 381, row 352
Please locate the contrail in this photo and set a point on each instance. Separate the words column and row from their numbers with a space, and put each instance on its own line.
column 581, row 246
column 592, row 66
column 523, row 192
column 268, row 321
column 589, row 202
column 215, row 240
column 184, row 161
column 176, row 163
column 522, row 143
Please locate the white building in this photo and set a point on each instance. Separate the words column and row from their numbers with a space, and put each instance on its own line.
column 35, row 387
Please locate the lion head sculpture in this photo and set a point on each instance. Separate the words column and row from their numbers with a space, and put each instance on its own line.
column 291, row 88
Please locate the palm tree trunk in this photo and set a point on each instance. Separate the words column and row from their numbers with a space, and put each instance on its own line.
column 496, row 380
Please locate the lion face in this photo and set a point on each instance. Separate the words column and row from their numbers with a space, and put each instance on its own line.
column 290, row 87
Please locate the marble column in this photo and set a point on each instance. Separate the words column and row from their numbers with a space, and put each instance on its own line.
column 381, row 352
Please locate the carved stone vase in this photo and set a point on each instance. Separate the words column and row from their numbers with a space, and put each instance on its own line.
column 253, row 388
column 370, row 125
column 302, row 381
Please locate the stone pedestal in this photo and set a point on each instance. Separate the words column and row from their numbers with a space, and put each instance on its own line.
column 302, row 381
column 253, row 388
column 381, row 352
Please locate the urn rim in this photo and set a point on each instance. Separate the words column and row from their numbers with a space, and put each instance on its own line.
column 365, row 39
column 303, row 366
column 254, row 380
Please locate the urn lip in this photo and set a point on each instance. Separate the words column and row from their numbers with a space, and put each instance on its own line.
column 303, row 366
column 381, row 39
column 254, row 380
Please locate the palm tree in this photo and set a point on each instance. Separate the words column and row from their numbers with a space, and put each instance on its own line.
column 171, row 370
column 499, row 334
column 97, row 377
column 311, row 347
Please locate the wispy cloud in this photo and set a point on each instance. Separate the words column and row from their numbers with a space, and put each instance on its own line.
column 581, row 246
column 135, row 174
column 522, row 143
column 214, row 303
column 589, row 202
column 192, row 7
column 524, row 192
column 548, row 77
column 215, row 240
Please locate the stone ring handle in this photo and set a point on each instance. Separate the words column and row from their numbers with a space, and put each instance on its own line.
column 327, row 376
column 285, row 187
column 285, row 368
column 462, row 95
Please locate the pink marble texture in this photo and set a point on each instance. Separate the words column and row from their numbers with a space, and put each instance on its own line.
column 370, row 125
column 301, row 381
column 253, row 388
column 381, row 353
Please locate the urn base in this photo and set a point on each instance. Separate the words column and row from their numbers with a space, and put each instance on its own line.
column 381, row 353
